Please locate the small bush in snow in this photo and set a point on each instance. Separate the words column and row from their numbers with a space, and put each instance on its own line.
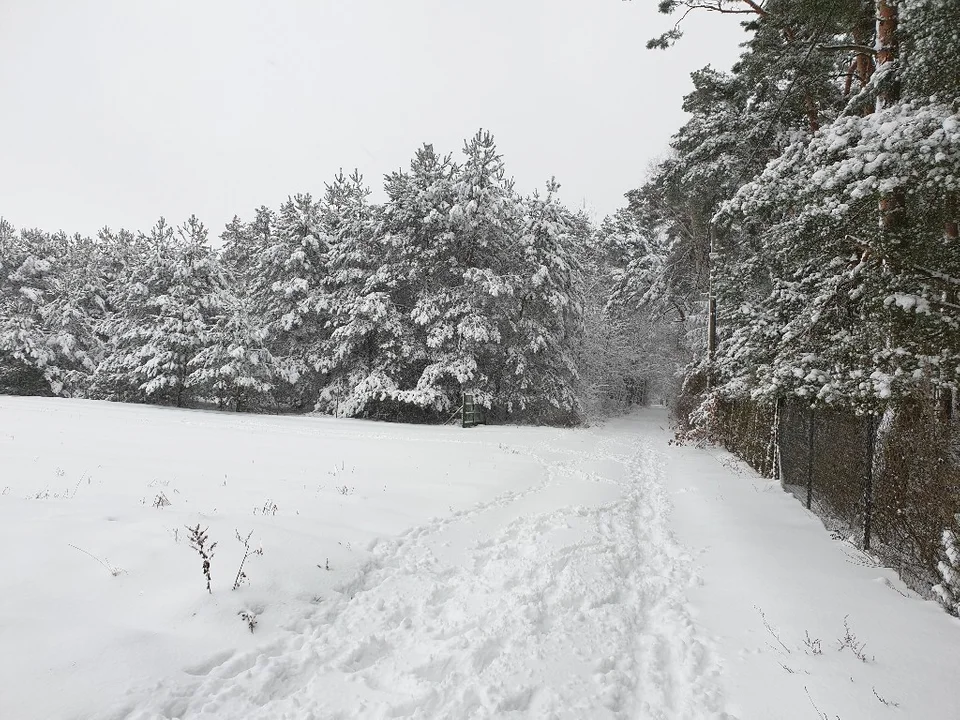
column 247, row 552
column 249, row 618
column 198, row 541
column 948, row 591
column 338, row 470
column 161, row 501
column 850, row 640
column 269, row 508
column 813, row 644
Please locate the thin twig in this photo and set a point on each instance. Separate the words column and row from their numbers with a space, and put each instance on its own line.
column 886, row 702
column 77, row 488
column 112, row 570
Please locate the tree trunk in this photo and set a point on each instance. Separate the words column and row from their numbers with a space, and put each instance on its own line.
column 862, row 34
column 887, row 50
column 813, row 114
column 891, row 205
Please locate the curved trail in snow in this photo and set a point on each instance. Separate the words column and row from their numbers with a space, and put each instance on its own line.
column 564, row 600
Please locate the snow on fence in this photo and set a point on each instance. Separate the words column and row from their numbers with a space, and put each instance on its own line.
column 890, row 484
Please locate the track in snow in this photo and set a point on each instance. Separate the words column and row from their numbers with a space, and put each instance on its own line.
column 566, row 600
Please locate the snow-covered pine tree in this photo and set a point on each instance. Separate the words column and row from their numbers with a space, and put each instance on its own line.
column 73, row 314
column 234, row 367
column 171, row 295
column 364, row 351
column 469, row 298
column 51, row 295
column 415, row 233
column 540, row 380
column 243, row 244
column 27, row 283
column 292, row 271
column 844, row 293
column 635, row 264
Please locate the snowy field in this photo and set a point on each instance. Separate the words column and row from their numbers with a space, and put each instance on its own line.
column 411, row 571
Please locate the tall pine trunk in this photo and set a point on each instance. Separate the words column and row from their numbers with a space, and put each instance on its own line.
column 891, row 204
column 862, row 35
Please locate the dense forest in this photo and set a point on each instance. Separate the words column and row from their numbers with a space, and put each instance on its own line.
column 812, row 198
column 455, row 284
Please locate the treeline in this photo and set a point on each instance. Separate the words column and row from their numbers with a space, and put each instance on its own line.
column 455, row 284
column 813, row 197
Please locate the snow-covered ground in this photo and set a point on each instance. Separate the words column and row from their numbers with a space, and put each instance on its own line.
column 490, row 572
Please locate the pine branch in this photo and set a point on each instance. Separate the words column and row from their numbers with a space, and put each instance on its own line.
column 848, row 47
column 717, row 6
column 937, row 274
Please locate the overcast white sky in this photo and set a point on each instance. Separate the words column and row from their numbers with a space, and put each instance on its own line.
column 115, row 112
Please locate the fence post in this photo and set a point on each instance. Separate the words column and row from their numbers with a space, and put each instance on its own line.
column 868, row 481
column 810, row 458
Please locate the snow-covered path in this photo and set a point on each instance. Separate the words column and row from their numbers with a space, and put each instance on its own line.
column 778, row 594
column 564, row 600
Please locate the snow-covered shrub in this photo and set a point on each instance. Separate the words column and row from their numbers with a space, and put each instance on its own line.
column 948, row 591
column 914, row 494
column 694, row 409
column 200, row 541
column 242, row 577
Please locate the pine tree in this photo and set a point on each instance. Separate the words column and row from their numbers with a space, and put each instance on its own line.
column 234, row 366
column 836, row 297
column 73, row 314
column 472, row 269
column 26, row 284
column 809, row 150
column 171, row 298
column 540, row 379
column 295, row 267
column 365, row 349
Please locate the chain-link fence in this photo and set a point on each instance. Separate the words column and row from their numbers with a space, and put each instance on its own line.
column 889, row 483
column 748, row 429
